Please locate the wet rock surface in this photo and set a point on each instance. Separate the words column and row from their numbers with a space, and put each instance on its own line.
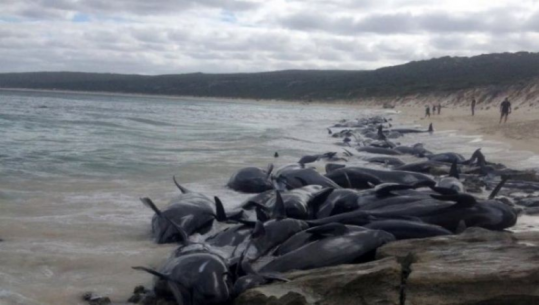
column 371, row 283
column 476, row 267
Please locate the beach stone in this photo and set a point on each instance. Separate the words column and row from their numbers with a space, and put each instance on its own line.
column 529, row 202
column 94, row 299
column 472, row 185
column 531, row 211
column 135, row 298
column 139, row 289
column 376, row 282
column 476, row 267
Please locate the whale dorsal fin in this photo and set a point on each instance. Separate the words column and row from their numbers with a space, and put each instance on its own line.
column 261, row 215
column 279, row 210
column 319, row 199
column 259, row 230
column 181, row 188
column 220, row 213
column 149, row 203
column 183, row 236
column 454, row 171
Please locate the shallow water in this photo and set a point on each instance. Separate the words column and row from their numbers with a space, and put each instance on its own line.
column 72, row 167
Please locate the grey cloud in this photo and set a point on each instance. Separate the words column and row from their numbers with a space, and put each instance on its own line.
column 359, row 35
column 65, row 9
column 496, row 20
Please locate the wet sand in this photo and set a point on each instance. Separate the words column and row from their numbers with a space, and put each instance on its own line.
column 521, row 131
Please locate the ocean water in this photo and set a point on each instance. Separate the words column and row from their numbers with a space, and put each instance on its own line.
column 73, row 167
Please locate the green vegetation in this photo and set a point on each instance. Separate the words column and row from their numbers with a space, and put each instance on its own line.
column 436, row 75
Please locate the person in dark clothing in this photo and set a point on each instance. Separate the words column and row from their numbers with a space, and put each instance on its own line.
column 434, row 110
column 427, row 112
column 473, row 107
column 505, row 109
column 439, row 108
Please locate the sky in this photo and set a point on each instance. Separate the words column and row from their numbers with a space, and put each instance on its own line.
column 229, row 36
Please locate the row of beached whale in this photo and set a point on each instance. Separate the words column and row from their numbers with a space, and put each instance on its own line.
column 300, row 219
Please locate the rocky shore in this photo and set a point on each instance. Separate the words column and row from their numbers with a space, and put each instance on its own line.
column 400, row 233
column 477, row 266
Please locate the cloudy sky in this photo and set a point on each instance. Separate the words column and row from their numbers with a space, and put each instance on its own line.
column 180, row 36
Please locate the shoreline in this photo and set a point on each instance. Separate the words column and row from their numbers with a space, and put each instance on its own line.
column 337, row 103
column 520, row 132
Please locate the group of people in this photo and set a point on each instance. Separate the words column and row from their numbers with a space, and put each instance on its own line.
column 434, row 109
column 505, row 109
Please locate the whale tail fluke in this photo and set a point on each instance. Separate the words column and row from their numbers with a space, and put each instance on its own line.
column 473, row 158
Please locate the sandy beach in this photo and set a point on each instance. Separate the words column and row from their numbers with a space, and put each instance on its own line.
column 521, row 130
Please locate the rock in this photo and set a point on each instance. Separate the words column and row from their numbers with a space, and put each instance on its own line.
column 376, row 282
column 531, row 211
column 148, row 299
column 100, row 301
column 473, row 185
column 134, row 298
column 139, row 289
column 529, row 202
column 506, row 200
column 87, row 296
column 94, row 299
column 475, row 267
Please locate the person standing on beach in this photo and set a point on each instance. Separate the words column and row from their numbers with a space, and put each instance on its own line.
column 434, row 110
column 473, row 107
column 505, row 109
column 427, row 111
column 439, row 108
